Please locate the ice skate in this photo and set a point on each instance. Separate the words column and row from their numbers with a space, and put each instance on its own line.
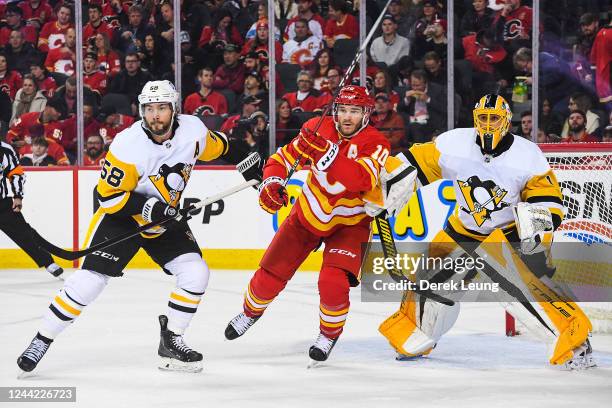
column 583, row 358
column 29, row 359
column 321, row 349
column 175, row 354
column 239, row 325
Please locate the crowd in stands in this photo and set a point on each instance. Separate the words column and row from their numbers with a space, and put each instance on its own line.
column 225, row 67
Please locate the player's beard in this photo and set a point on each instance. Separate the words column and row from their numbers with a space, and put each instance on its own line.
column 158, row 128
column 345, row 131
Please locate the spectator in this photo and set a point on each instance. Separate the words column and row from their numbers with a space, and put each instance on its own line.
column 435, row 70
column 132, row 35
column 259, row 44
column 28, row 99
column 165, row 28
column 306, row 98
column 112, row 123
column 69, row 129
column 230, row 75
column 63, row 59
column 425, row 23
column 193, row 58
column 526, row 125
column 10, row 80
column 340, row 24
column 46, row 84
column 38, row 156
column 250, row 104
column 425, row 104
column 404, row 20
column 556, row 79
column 551, row 122
column 301, row 50
column 14, row 22
column 315, row 21
column 484, row 54
column 255, row 133
column 390, row 46
column 67, row 94
column 262, row 14
column 479, row 18
column 285, row 9
column 581, row 102
column 52, row 34
column 115, row 11
column 92, row 76
column 287, row 124
column 389, row 122
column 589, row 26
column 37, row 12
column 130, row 80
column 94, row 151
column 107, row 58
column 543, row 137
column 206, row 101
column 19, row 53
column 321, row 65
column 435, row 40
column 331, row 86
column 96, row 25
column 154, row 58
column 221, row 33
column 577, row 129
column 34, row 124
column 382, row 84
column 253, row 85
column 601, row 57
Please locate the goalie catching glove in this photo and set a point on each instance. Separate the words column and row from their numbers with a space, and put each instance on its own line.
column 396, row 184
column 535, row 228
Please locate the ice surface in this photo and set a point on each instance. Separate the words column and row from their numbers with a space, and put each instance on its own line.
column 110, row 353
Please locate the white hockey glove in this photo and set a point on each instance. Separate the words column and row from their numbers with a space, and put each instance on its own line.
column 534, row 226
column 396, row 184
column 251, row 167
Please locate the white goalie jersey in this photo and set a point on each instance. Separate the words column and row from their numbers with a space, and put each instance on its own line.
column 487, row 187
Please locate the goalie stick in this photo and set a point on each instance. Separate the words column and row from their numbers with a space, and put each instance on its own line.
column 390, row 251
column 347, row 74
column 186, row 212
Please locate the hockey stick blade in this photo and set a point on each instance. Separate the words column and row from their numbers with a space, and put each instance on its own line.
column 72, row 255
column 390, row 251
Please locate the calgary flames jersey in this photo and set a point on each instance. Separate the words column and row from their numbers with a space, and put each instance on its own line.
column 334, row 198
column 136, row 163
column 488, row 186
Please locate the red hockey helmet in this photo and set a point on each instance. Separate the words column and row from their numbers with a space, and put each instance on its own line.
column 357, row 96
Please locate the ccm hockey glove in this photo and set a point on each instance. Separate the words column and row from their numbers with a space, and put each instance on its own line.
column 319, row 150
column 272, row 194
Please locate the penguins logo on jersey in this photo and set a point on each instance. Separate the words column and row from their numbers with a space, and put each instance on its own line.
column 482, row 198
column 171, row 181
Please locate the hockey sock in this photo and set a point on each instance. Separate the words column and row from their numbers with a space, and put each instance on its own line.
column 262, row 289
column 334, row 292
column 181, row 308
column 80, row 289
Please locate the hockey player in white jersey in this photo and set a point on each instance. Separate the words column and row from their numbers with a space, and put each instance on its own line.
column 504, row 182
column 145, row 172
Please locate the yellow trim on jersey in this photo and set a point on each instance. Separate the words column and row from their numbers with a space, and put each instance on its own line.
column 338, row 220
column 456, row 224
column 214, row 148
column 542, row 185
column 373, row 178
column 427, row 157
column 324, row 203
column 119, row 179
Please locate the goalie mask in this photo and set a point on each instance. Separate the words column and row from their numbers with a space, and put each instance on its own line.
column 158, row 92
column 492, row 120
column 356, row 96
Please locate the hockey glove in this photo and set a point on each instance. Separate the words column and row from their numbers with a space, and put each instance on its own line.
column 272, row 194
column 251, row 168
column 320, row 151
column 155, row 210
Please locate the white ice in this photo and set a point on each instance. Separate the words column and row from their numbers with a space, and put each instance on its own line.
column 110, row 353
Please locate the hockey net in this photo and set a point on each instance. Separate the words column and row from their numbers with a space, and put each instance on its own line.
column 584, row 172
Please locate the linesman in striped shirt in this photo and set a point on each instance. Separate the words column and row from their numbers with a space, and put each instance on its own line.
column 12, row 223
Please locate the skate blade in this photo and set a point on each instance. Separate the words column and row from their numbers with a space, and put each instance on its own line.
column 404, row 357
column 24, row 374
column 170, row 364
column 314, row 364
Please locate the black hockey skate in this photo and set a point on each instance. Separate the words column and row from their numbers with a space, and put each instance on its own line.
column 239, row 325
column 321, row 349
column 29, row 359
column 175, row 354
column 55, row 270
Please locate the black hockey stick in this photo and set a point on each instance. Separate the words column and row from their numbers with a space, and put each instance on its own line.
column 390, row 251
column 347, row 74
column 186, row 212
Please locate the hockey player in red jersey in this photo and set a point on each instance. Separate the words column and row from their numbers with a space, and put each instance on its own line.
column 346, row 156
